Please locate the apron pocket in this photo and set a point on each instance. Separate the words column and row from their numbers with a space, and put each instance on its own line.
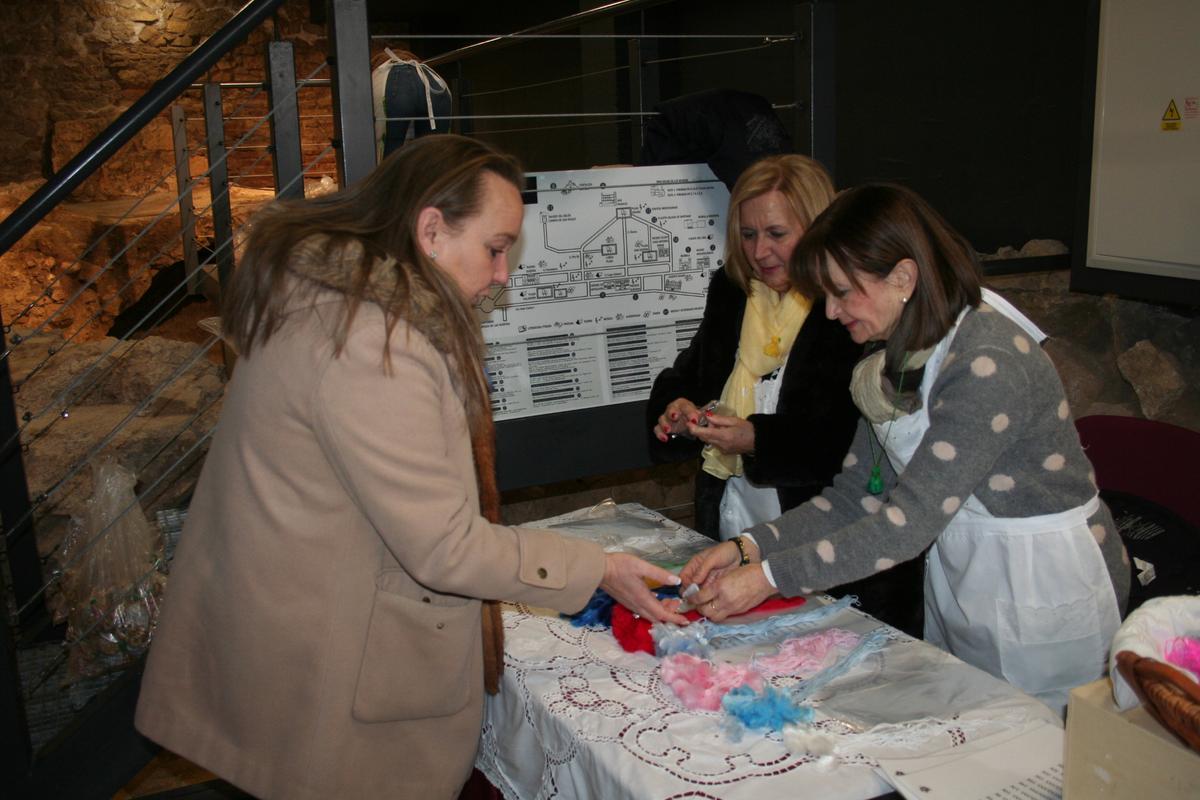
column 1048, row 648
column 418, row 658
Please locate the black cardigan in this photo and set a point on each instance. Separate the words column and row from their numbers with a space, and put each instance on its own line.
column 800, row 447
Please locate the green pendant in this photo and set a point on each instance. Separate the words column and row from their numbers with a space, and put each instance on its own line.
column 875, row 482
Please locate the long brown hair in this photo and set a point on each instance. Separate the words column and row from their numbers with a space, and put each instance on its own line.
column 369, row 227
column 804, row 184
column 871, row 228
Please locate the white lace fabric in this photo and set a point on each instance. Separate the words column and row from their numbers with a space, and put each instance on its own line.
column 579, row 717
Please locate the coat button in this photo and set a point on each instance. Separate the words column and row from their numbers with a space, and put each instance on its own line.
column 441, row 625
column 542, row 572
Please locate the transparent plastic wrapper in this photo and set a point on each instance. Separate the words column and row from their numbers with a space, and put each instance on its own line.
column 630, row 528
column 112, row 576
column 897, row 685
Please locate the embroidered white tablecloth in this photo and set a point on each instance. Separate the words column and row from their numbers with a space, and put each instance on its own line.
column 578, row 717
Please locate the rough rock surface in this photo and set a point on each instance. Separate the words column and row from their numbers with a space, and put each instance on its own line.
column 149, row 402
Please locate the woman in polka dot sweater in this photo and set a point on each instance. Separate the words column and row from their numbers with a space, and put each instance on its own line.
column 966, row 444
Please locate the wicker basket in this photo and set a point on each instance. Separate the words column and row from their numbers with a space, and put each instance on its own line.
column 1171, row 697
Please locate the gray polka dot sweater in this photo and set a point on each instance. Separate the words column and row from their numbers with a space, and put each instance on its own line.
column 999, row 428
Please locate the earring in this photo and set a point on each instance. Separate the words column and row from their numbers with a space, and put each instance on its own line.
column 903, row 299
column 432, row 255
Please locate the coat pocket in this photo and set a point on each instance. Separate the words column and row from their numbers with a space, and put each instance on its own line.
column 418, row 661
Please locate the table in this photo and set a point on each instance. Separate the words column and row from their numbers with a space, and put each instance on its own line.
column 578, row 717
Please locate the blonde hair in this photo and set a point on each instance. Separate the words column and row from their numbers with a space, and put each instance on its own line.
column 804, row 184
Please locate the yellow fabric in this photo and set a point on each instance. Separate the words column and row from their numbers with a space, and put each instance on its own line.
column 769, row 328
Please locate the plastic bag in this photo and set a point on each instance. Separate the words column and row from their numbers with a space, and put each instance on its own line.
column 630, row 528
column 1147, row 632
column 112, row 576
column 899, row 684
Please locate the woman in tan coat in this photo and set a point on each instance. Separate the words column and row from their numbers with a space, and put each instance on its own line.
column 321, row 634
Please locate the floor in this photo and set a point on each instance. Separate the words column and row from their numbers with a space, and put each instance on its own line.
column 169, row 775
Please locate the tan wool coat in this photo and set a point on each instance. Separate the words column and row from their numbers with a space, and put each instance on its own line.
column 320, row 636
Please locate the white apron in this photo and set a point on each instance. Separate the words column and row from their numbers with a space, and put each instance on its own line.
column 1027, row 599
column 745, row 504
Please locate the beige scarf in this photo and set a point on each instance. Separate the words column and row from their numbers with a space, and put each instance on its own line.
column 483, row 445
column 877, row 398
column 769, row 327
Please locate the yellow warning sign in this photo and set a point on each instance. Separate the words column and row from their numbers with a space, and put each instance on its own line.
column 1171, row 118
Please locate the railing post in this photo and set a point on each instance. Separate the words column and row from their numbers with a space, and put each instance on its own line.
column 636, row 128
column 16, row 514
column 15, row 745
column 288, row 165
column 350, row 79
column 183, row 187
column 126, row 126
column 816, row 120
column 218, row 183
column 463, row 106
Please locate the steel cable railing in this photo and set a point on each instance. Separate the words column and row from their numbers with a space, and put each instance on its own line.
column 154, row 221
column 770, row 42
column 115, row 362
column 61, row 400
column 152, row 313
column 133, row 590
column 99, row 446
column 138, row 500
column 30, row 212
column 113, row 227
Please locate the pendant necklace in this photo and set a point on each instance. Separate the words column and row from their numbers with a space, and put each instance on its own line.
column 875, row 482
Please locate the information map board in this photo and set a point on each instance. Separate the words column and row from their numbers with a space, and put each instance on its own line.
column 607, row 283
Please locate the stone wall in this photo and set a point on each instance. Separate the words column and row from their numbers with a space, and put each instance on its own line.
column 73, row 68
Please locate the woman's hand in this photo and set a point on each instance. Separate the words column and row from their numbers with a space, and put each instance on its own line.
column 710, row 564
column 735, row 592
column 675, row 419
column 731, row 435
column 625, row 578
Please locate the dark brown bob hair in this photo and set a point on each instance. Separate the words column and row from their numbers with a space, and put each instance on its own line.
column 867, row 231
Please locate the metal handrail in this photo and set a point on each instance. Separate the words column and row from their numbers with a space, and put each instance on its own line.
column 136, row 117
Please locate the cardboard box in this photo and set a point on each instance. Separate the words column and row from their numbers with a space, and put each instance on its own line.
column 1115, row 754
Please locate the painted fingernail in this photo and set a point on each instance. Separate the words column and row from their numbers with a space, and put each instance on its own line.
column 708, row 413
column 674, row 415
